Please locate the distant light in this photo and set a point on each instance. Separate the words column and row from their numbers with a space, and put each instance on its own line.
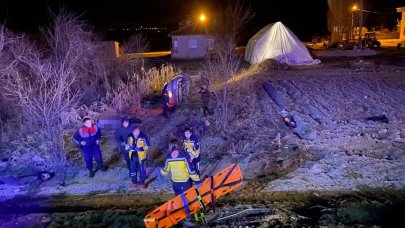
column 202, row 18
column 354, row 7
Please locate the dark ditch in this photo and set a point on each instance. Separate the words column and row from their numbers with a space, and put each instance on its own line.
column 384, row 208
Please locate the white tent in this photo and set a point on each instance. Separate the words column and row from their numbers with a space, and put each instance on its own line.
column 276, row 41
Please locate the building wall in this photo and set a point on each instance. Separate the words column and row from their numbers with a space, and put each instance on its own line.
column 190, row 46
column 402, row 29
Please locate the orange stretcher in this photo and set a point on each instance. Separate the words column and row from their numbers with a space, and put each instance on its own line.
column 195, row 198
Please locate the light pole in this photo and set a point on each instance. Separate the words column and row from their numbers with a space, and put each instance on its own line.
column 352, row 30
column 360, row 22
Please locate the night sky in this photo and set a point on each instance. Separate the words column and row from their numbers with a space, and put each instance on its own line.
column 305, row 18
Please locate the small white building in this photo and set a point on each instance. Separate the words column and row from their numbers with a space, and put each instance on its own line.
column 191, row 42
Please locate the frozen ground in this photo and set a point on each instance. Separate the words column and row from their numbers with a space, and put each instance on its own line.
column 346, row 151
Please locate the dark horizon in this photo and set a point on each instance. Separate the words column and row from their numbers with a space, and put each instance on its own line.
column 304, row 19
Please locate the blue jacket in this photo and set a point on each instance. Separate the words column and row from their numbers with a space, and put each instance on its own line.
column 89, row 135
column 122, row 134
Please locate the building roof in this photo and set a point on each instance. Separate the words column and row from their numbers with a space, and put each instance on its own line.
column 189, row 29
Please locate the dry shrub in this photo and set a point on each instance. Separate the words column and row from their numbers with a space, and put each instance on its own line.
column 137, row 86
column 157, row 77
column 46, row 80
column 32, row 151
column 128, row 93
column 71, row 45
column 75, row 115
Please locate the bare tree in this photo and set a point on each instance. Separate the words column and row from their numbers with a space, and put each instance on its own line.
column 229, row 22
column 221, row 71
column 339, row 18
column 226, row 64
column 71, row 43
column 136, row 43
column 47, row 79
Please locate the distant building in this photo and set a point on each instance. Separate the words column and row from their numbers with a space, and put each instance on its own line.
column 191, row 42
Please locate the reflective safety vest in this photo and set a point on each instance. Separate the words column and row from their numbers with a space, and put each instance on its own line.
column 192, row 146
column 141, row 146
column 180, row 170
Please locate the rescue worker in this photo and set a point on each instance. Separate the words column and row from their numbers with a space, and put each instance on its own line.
column 121, row 138
column 88, row 138
column 173, row 145
column 192, row 146
column 205, row 99
column 138, row 146
column 165, row 101
column 182, row 175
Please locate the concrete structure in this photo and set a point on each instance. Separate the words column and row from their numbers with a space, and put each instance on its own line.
column 191, row 42
column 402, row 26
column 111, row 50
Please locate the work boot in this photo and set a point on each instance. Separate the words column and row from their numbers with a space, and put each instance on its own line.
column 133, row 186
column 91, row 174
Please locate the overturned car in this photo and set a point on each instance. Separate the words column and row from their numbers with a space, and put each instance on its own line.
column 175, row 92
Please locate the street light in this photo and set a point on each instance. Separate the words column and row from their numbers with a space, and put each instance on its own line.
column 354, row 8
column 202, row 17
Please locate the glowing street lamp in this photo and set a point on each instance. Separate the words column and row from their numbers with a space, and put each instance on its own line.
column 202, row 18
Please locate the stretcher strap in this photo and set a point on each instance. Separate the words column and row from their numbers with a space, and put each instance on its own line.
column 199, row 197
column 212, row 193
column 202, row 217
column 204, row 194
column 227, row 175
column 183, row 198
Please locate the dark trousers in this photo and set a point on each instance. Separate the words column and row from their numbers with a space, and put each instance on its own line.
column 195, row 165
column 135, row 167
column 180, row 187
column 125, row 155
column 92, row 152
column 165, row 111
